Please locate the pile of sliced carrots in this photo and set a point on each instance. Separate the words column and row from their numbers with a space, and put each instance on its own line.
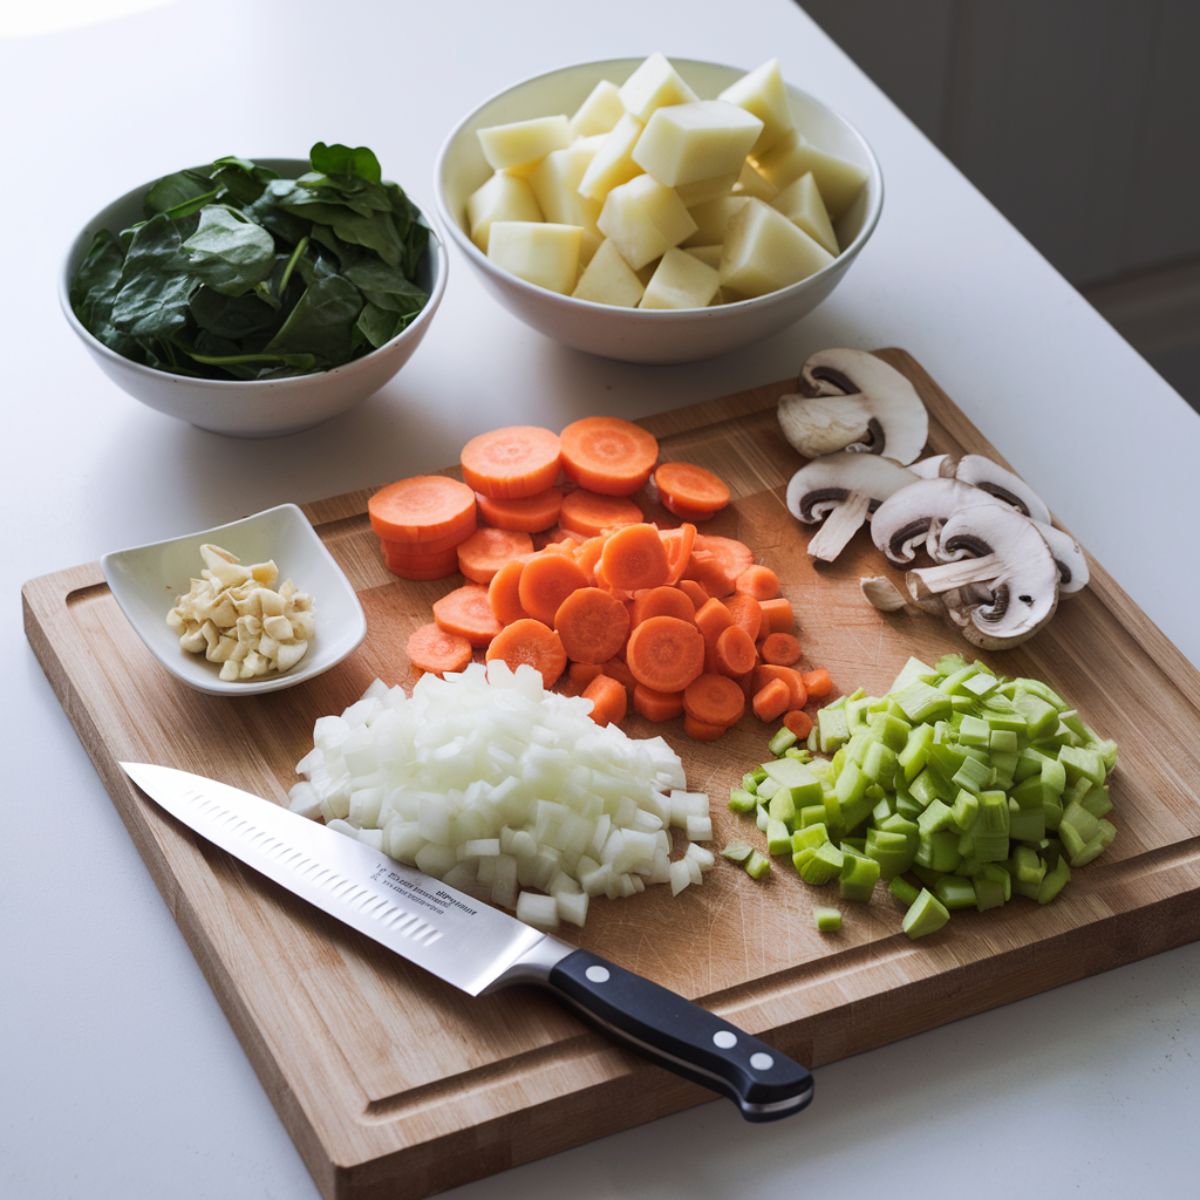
column 669, row 622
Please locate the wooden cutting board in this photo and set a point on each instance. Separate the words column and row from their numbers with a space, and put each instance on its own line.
column 395, row 1085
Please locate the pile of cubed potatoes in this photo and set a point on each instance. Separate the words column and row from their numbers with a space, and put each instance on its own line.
column 649, row 197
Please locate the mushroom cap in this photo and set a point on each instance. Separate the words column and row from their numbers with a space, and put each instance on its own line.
column 820, row 425
column 900, row 524
column 996, row 480
column 933, row 466
column 825, row 482
column 1073, row 573
column 897, row 423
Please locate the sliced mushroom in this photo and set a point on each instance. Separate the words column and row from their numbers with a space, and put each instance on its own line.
column 991, row 477
column 852, row 400
column 932, row 467
column 882, row 593
column 840, row 490
column 1072, row 564
column 903, row 521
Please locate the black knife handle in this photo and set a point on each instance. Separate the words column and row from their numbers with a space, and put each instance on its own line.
column 687, row 1039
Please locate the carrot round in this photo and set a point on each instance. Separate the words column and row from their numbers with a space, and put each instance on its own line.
column 466, row 612
column 608, row 455
column 610, row 701
column 709, row 572
column 689, row 487
column 531, row 642
column 634, row 558
column 436, row 651
column 590, row 513
column 771, row 701
column 487, row 550
column 758, row 581
column 778, row 616
column 734, row 652
column 511, row 463
column 616, row 669
column 765, row 672
column 504, row 593
column 780, row 648
column 564, row 539
column 714, row 699
column 593, row 625
column 547, row 580
column 733, row 556
column 587, row 555
column 423, row 508
column 685, row 513
column 746, row 612
column 799, row 722
column 694, row 592
column 664, row 601
column 421, row 566
column 665, row 653
column 581, row 674
column 818, row 682
column 656, row 706
column 678, row 545
column 712, row 618
column 702, row 731
column 528, row 514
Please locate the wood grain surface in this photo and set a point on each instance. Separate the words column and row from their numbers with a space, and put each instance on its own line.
column 395, row 1085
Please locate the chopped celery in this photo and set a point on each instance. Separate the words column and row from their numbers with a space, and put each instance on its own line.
column 737, row 852
column 783, row 739
column 779, row 840
column 797, row 777
column 966, row 806
column 1053, row 882
column 911, row 672
column 1097, row 801
column 742, row 801
column 1004, row 740
column 750, row 781
column 781, row 807
column 767, row 787
column 921, row 703
column 1041, row 719
column 801, row 756
column 1026, row 865
column 757, row 865
column 858, row 877
column 825, row 863
column 892, row 731
column 809, row 838
column 811, row 814
column 973, row 731
column 762, row 817
column 972, row 775
column 916, row 751
column 903, row 890
column 758, row 775
column 828, row 920
column 955, row 892
column 935, row 817
column 879, row 763
column 1082, row 762
column 925, row 915
column 1076, row 817
column 939, row 851
column 832, row 730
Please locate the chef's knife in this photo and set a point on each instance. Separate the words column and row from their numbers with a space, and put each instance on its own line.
column 473, row 946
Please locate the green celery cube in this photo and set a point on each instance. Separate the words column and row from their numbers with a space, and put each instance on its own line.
column 913, row 757
column 972, row 775
column 925, row 915
column 779, row 841
column 973, row 731
column 955, row 892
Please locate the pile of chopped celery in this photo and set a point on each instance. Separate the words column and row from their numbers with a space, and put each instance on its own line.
column 976, row 785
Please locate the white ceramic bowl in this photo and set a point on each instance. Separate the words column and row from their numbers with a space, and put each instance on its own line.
column 638, row 335
column 145, row 580
column 252, row 408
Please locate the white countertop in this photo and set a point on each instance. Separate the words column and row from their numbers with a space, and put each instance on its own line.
column 131, row 1082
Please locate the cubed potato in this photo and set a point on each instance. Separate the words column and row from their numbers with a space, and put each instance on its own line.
column 801, row 203
column 751, row 183
column 839, row 181
column 609, row 279
column 503, row 198
column 764, row 251
column 520, row 144
column 712, row 219
column 704, row 190
column 644, row 219
column 599, row 112
column 681, row 281
column 538, row 252
column 763, row 93
column 652, row 85
column 684, row 143
column 709, row 255
column 612, row 164
column 555, row 184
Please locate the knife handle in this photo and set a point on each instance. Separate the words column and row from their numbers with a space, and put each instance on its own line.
column 683, row 1037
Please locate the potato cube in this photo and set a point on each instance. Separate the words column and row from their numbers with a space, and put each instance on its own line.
column 520, row 144
column 541, row 253
column 652, row 85
column 839, row 181
column 681, row 281
column 709, row 255
column 613, row 162
column 687, row 142
column 712, row 219
column 555, row 183
column 764, row 251
column 751, row 183
column 801, row 203
column 609, row 279
column 644, row 219
column 704, row 190
column 503, row 198
column 599, row 112
column 762, row 92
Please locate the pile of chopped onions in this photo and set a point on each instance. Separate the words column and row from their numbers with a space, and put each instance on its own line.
column 506, row 791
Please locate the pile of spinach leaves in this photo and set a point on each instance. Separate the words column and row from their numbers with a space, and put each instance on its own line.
column 236, row 273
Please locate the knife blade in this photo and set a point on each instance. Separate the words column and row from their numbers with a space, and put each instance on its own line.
column 471, row 945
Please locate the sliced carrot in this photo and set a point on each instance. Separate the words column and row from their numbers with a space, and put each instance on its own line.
column 504, row 593
column 684, row 513
column 714, row 699
column 734, row 652
column 421, row 574
column 799, row 722
column 587, row 554
column 581, row 674
column 610, row 700
column 616, row 669
column 694, row 592
column 656, row 706
column 819, row 683
column 466, row 611
column 771, row 701
column 591, row 514
column 733, row 555
column 436, row 651
column 608, row 455
column 709, row 573
column 420, row 566
column 529, row 514
column 593, row 625
column 780, row 648
column 665, row 653
column 547, row 580
column 690, row 488
column 529, row 641
column 702, row 731
column 765, row 672
column 564, row 538
column 678, row 545
column 487, row 550
column 634, row 558
column 664, row 601
column 423, row 508
column 758, row 581
column 511, row 463
column 778, row 616
column 712, row 618
column 746, row 612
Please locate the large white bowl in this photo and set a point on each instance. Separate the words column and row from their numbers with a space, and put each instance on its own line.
column 260, row 407
column 655, row 335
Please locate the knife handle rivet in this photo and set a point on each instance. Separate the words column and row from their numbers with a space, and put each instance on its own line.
column 723, row 1039
column 761, row 1061
column 597, row 974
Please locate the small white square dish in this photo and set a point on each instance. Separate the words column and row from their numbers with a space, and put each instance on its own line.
column 145, row 581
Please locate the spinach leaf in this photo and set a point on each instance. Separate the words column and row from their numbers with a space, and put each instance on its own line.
column 232, row 317
column 94, row 287
column 322, row 322
column 240, row 179
column 229, row 252
column 342, row 160
column 174, row 194
column 376, row 324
